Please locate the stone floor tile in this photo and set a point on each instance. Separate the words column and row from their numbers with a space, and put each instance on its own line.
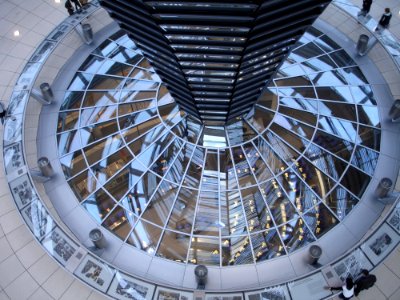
column 22, row 287
column 43, row 269
column 387, row 281
column 10, row 269
column 372, row 294
column 40, row 294
column 58, row 283
column 76, row 291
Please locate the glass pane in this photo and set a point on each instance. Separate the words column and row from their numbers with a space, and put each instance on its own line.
column 236, row 251
column 369, row 137
column 267, row 245
column 161, row 203
column 295, row 235
column 365, row 159
column 176, row 171
column 174, row 246
column 341, row 202
column 233, row 221
column 243, row 172
column 145, row 236
column 73, row 163
column 256, row 163
column 355, row 181
column 120, row 222
column 207, row 215
column 280, row 206
column 182, row 215
column 99, row 205
column 326, row 162
column 320, row 219
column 192, row 178
column 204, row 251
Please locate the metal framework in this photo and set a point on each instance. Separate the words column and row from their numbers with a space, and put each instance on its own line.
column 215, row 57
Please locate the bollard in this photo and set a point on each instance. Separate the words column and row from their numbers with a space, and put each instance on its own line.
column 47, row 93
column 97, row 238
column 394, row 112
column 201, row 272
column 87, row 33
column 314, row 253
column 45, row 167
column 383, row 188
column 362, row 44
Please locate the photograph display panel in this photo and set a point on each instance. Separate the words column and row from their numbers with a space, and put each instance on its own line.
column 38, row 219
column 22, row 190
column 394, row 218
column 311, row 287
column 13, row 158
column 352, row 265
column 170, row 294
column 380, row 244
column 60, row 246
column 95, row 273
column 235, row 296
column 279, row 292
column 126, row 287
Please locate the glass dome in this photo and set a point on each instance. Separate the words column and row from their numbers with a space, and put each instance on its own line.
column 263, row 186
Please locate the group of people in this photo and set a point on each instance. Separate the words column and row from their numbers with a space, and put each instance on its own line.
column 70, row 8
column 385, row 18
column 353, row 288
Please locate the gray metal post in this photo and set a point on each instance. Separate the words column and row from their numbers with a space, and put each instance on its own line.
column 45, row 167
column 87, row 33
column 45, row 95
column 394, row 112
column 201, row 272
column 97, row 238
column 362, row 44
column 383, row 187
column 314, row 253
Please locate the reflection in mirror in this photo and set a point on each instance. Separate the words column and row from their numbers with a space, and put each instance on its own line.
column 174, row 246
column 145, row 236
column 161, row 203
column 355, row 181
column 182, row 215
column 233, row 221
column 295, row 235
column 207, row 214
column 204, row 250
column 280, row 206
column 320, row 219
column 267, row 245
column 236, row 251
column 99, row 205
column 341, row 202
column 369, row 137
column 365, row 159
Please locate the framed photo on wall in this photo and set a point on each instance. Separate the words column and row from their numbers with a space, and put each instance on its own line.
column 127, row 287
column 96, row 273
column 380, row 244
column 394, row 218
column 59, row 245
column 170, row 294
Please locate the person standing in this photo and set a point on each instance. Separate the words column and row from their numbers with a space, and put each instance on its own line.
column 69, row 7
column 347, row 289
column 385, row 19
column 3, row 113
column 364, row 282
column 78, row 5
column 366, row 7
